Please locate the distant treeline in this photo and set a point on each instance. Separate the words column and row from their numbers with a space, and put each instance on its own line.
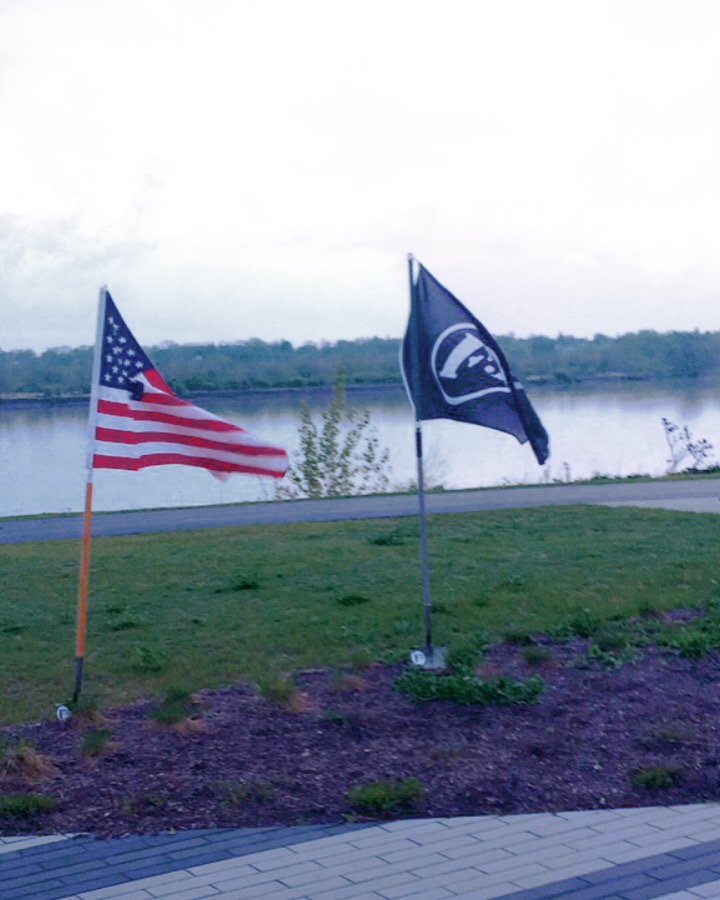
column 256, row 364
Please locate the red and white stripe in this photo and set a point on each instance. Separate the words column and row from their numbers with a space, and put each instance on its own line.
column 161, row 429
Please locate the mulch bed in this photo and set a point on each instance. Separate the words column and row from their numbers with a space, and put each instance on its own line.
column 255, row 764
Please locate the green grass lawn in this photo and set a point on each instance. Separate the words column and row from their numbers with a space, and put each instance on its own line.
column 218, row 606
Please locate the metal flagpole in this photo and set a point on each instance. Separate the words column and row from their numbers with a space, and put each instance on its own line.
column 424, row 568
column 81, row 623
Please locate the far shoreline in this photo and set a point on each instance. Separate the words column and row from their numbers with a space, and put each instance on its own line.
column 19, row 401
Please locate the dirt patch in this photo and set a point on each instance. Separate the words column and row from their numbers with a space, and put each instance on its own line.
column 251, row 764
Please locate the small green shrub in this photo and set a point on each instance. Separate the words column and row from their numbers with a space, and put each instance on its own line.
column 612, row 641
column 693, row 644
column 383, row 798
column 605, row 657
column 277, row 689
column 95, row 743
column 86, row 710
column 176, row 705
column 462, row 687
column 25, row 805
column 657, row 777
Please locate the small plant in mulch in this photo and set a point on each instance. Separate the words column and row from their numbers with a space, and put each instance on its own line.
column 673, row 734
column 346, row 682
column 86, row 711
column 21, row 759
column 176, row 706
column 97, row 742
column 332, row 716
column 281, row 690
column 239, row 793
column 143, row 803
column 352, row 599
column 519, row 636
column 657, row 777
column 385, row 798
column 581, row 623
column 465, row 688
column 24, row 806
column 695, row 637
column 538, row 656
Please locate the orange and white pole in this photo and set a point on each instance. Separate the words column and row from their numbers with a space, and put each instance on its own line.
column 82, row 601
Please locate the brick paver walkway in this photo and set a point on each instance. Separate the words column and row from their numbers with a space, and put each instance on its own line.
column 670, row 852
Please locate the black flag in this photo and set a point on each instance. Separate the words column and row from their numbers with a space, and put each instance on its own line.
column 454, row 369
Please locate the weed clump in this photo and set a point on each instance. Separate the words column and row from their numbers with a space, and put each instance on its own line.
column 537, row 656
column 22, row 759
column 384, row 798
column 176, row 706
column 281, row 690
column 657, row 777
column 237, row 793
column 95, row 743
column 25, row 805
column 582, row 623
column 467, row 689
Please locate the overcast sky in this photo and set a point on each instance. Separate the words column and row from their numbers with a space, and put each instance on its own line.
column 260, row 169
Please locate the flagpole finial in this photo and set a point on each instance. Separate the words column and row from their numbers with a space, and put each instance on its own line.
column 410, row 257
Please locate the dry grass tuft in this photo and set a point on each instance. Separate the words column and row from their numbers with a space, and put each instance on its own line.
column 23, row 760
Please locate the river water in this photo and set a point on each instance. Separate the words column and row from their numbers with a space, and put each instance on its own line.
column 596, row 429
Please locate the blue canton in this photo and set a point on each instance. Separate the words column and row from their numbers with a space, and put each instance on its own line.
column 122, row 359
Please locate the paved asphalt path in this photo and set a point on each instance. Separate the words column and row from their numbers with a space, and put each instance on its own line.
column 701, row 495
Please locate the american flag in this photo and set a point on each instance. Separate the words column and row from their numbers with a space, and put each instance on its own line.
column 139, row 422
